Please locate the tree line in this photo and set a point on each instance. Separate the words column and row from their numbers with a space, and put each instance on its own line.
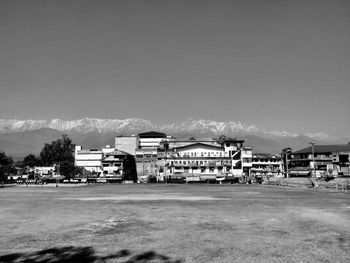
column 59, row 153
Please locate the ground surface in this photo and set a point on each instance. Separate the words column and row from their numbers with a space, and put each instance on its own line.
column 174, row 223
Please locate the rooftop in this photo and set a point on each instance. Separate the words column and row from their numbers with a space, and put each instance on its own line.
column 152, row 134
column 117, row 152
column 198, row 144
column 265, row 156
column 332, row 148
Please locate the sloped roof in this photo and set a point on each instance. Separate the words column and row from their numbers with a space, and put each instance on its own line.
column 332, row 148
column 117, row 152
column 198, row 144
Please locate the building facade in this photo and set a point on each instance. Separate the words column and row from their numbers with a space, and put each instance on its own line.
column 266, row 164
column 89, row 159
column 320, row 161
column 118, row 166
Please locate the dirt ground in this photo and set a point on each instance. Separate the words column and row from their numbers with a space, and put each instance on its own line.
column 174, row 223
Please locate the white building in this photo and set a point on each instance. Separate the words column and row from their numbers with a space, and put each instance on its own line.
column 206, row 159
column 150, row 139
column 90, row 159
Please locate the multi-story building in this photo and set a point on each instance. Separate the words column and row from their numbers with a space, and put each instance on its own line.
column 324, row 160
column 118, row 166
column 266, row 164
column 90, row 159
column 146, row 153
column 150, row 140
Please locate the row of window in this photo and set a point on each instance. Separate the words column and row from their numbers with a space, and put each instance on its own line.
column 265, row 160
column 197, row 154
column 203, row 170
column 192, row 162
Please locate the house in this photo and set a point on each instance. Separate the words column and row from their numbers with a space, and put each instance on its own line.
column 197, row 159
column 266, row 164
column 321, row 160
column 118, row 166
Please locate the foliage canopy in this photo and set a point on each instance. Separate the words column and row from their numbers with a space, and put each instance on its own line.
column 61, row 154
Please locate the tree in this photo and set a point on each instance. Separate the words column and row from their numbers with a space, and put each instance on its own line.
column 61, row 154
column 6, row 167
column 222, row 138
column 31, row 161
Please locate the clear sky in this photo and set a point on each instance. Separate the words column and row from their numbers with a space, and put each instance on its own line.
column 280, row 65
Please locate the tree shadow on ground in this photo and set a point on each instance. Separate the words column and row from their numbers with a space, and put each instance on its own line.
column 84, row 255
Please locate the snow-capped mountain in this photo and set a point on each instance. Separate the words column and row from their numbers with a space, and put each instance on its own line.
column 84, row 125
column 209, row 126
column 134, row 125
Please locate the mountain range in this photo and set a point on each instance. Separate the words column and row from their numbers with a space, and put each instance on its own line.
column 21, row 137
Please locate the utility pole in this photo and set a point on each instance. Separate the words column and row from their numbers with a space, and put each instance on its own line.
column 58, row 171
column 165, row 167
column 287, row 172
column 313, row 158
column 286, row 152
column 143, row 164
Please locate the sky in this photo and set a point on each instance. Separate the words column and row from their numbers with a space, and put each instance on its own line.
column 276, row 64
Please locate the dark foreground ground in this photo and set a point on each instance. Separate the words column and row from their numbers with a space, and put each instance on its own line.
column 174, row 223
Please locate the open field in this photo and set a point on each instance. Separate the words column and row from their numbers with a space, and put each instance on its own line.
column 174, row 223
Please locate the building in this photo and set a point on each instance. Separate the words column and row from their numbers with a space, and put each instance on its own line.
column 324, row 160
column 150, row 140
column 90, row 159
column 118, row 166
column 266, row 164
column 146, row 154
